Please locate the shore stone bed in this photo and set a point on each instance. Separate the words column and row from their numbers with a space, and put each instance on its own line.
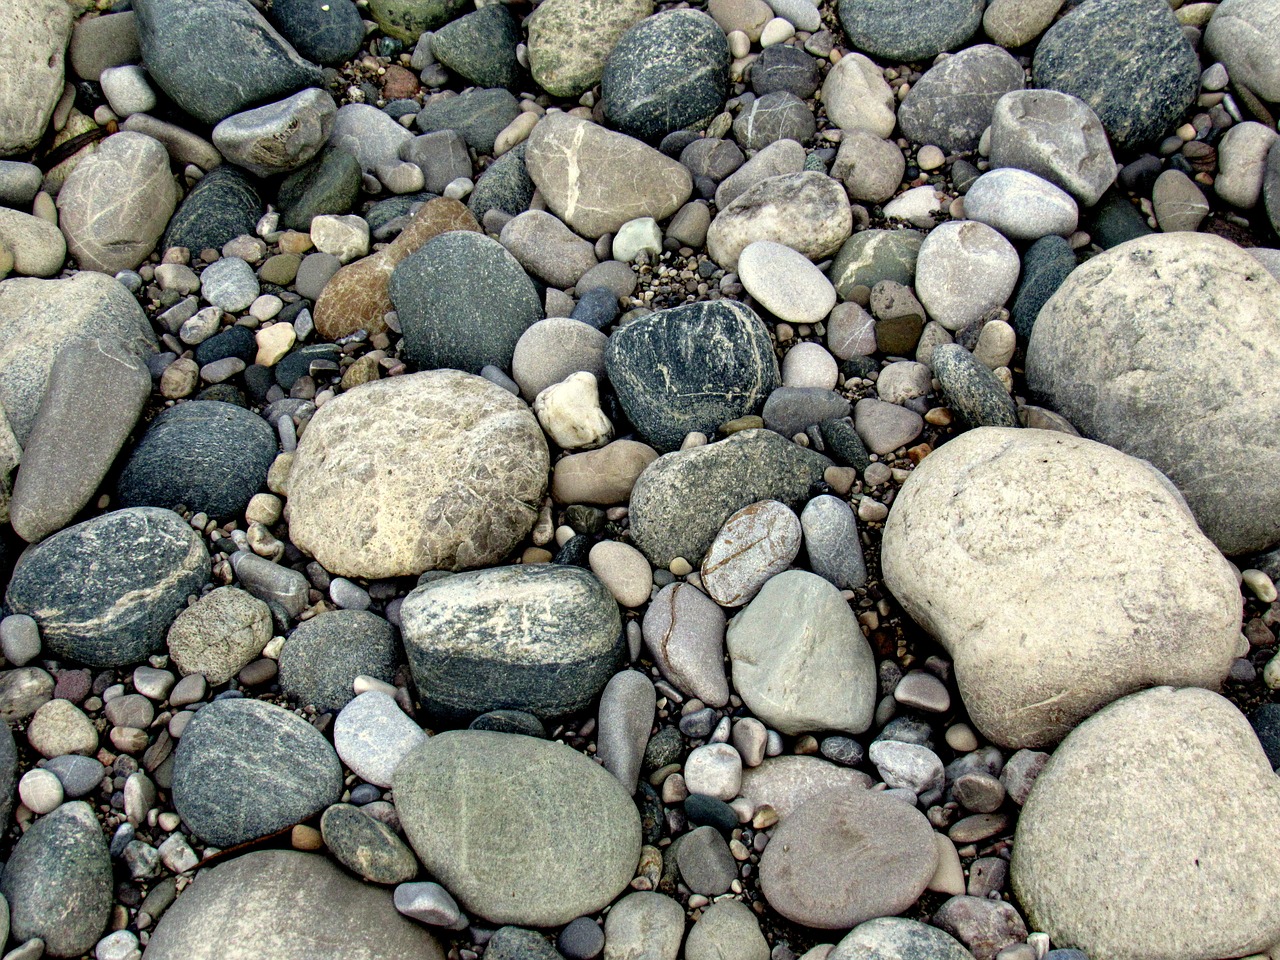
column 716, row 479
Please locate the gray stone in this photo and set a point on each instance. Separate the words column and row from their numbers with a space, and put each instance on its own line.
column 951, row 104
column 9, row 776
column 779, row 157
column 222, row 206
column 897, row 938
column 366, row 847
column 785, row 283
column 20, row 639
column 323, row 31
column 516, row 943
column 831, row 542
column 1178, row 203
column 220, row 634
column 548, row 249
column 36, row 246
column 33, row 43
column 1271, row 188
column 627, row 708
column 58, row 882
column 870, row 168
column 1020, row 205
column 773, row 117
column 322, row 657
column 1242, row 36
column 19, row 182
column 691, row 368
column 1165, row 395
column 105, row 591
column 806, row 211
column 569, row 40
column 965, row 269
column 279, row 137
column 372, row 735
column 78, row 775
column 554, row 348
column 971, row 389
column 712, row 158
column 22, row 692
column 264, row 66
column 1104, row 619
column 104, row 41
column 229, row 284
column 442, row 155
column 907, row 30
column 644, row 926
column 246, row 768
column 406, row 20
column 727, row 930
column 1108, row 887
column 96, row 390
column 705, row 863
column 271, row 582
column 871, row 256
column 116, row 203
column 544, row 638
column 1045, row 265
column 280, row 902
column 792, row 410
column 1014, row 23
column 785, row 68
column 1242, row 159
column 684, row 632
column 479, row 115
column 368, row 134
column 857, row 97
column 884, row 427
column 560, row 841
column 481, row 47
column 985, row 926
column 504, row 186
column 682, row 499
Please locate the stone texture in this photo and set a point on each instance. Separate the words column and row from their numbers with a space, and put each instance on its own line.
column 965, row 269
column 755, row 544
column 552, row 349
column 971, row 389
column 481, row 47
column 897, row 938
column 1021, row 205
column 365, row 846
column 906, row 30
column 1056, row 136
column 1147, row 374
column 807, row 211
column 870, row 256
column 683, row 629
column 569, row 40
column 1087, row 579
column 473, row 454
column 219, row 634
column 857, row 97
column 36, row 246
column 951, row 104
column 1094, row 865
column 323, row 31
column 601, row 477
column 279, row 137
column 33, row 44
column 222, row 206
column 478, row 115
column 322, row 657
column 1242, row 35
column 406, row 20
column 727, row 930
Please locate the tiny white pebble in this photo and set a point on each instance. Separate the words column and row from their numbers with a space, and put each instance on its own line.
column 1260, row 584
column 40, row 790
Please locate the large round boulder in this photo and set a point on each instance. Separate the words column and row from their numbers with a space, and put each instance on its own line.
column 1166, row 347
column 1060, row 575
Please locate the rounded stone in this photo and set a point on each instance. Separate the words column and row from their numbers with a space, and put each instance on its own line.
column 59, row 728
column 623, row 570
column 322, row 657
column 560, row 841
column 858, row 98
column 1242, row 36
column 785, row 282
column 1124, row 590
column 964, row 270
column 220, row 634
column 1096, row 865
column 757, row 542
column 683, row 630
column 473, row 455
column 807, row 211
column 372, row 735
column 40, row 791
column 727, row 930
column 906, row 30
column 951, row 104
column 1020, row 205
column 554, row 348
column 246, row 768
column 897, row 938
column 366, row 847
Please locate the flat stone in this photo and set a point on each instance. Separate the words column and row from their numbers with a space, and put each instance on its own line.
column 755, row 543
column 703, row 858
column 785, row 282
column 785, row 68
column 33, row 42
column 552, row 350
column 727, row 930
column 323, row 656
column 59, row 727
column 831, row 542
column 884, row 427
column 601, row 477
column 1178, row 203
column 965, row 269
column 792, row 410
column 220, row 634
column 808, row 212
column 569, row 41
column 372, row 735
column 779, row 157
column 627, row 707
column 772, row 118
column 224, row 205
column 547, row 248
column 898, row 937
column 906, row 30
column 517, row 943
column 951, row 104
column 368, row 134
column 78, row 775
column 985, row 926
column 279, row 137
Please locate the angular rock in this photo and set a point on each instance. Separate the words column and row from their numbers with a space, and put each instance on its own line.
column 951, row 104
column 808, row 212
column 220, row 634
column 569, row 40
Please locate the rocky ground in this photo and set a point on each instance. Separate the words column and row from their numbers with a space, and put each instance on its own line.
column 726, row 480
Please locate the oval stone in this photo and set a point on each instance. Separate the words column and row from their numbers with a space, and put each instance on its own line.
column 785, row 282
column 1020, row 205
column 757, row 542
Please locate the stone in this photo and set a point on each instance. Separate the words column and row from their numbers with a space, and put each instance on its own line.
column 596, row 180
column 870, row 256
column 682, row 499
column 479, row 115
column 799, row 661
column 570, row 415
column 372, row 735
column 33, row 43
column 101, row 42
column 727, row 930
column 449, row 426
column 779, row 157
column 480, row 47
column 463, row 302
column 368, row 134
column 971, row 389
column 206, row 455
column 785, row 68
column 406, row 20
column 623, row 570
column 1178, row 203
column 831, row 542
column 792, row 410
column 1017, row 695
column 683, row 631
column 870, row 168
column 846, row 857
column 627, row 707
column 516, row 943
column 1128, row 60
column 366, row 847
column 857, row 97
column 1242, row 159
column 265, row 66
column 898, row 937
column 885, row 427
column 952, row 103
column 570, row 40
column 547, row 248
column 1196, row 414
column 1045, row 265
column 1056, row 136
column 58, row 882
column 554, row 348
column 906, row 766
column 1020, row 205
column 19, row 182
column 504, row 186
column 279, row 137
column 322, row 657
column 667, row 72
column 703, row 858
column 22, row 692
column 116, row 203
column 785, row 282
column 541, row 638
column 774, row 117
column 808, row 212
column 691, row 368
column 268, row 901
column 1199, row 753
column 644, row 926
column 964, row 270
column 323, row 31
column 755, row 543
column 222, row 206
column 442, row 155
column 127, row 91
column 1241, row 35
column 580, row 830
column 104, row 591
column 906, row 30
column 37, row 246
column 1015, row 23
column 223, row 632
column 246, row 768
column 985, row 926
column 59, row 727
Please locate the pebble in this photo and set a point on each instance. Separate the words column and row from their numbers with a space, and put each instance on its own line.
column 623, row 570
column 645, row 925
column 714, row 770
column 429, row 903
column 372, row 735
column 627, row 708
column 1020, row 205
column 965, row 269
column 785, row 283
column 19, row 639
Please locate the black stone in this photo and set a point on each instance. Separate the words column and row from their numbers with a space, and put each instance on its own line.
column 258, row 380
column 787, row 69
column 667, row 72
column 505, row 186
column 322, row 658
column 971, row 389
column 247, row 62
column 223, row 393
column 463, row 302
column 234, row 341
column 1266, row 724
column 517, row 943
column 585, row 519
column 324, row 31
column 246, row 768
column 510, row 721
column 907, row 30
column 210, row 457
column 222, row 206
column 1139, row 176
column 663, row 749
column 1116, row 220
column 297, row 364
column 844, row 445
column 704, row 811
column 597, row 307
column 1127, row 59
column 691, row 368
column 775, row 116
column 1045, row 265
column 479, row 115
column 576, row 551
column 105, row 591
column 789, row 410
column 481, row 47
column 329, row 184
column 653, row 820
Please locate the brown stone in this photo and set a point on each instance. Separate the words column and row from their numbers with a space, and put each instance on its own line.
column 399, row 83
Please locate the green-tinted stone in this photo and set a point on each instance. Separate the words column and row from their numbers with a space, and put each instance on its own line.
column 407, row 19
column 280, row 269
column 329, row 184
column 874, row 255
column 481, row 47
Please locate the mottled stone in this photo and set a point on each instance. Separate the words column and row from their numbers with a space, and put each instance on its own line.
column 971, row 389
column 222, row 206
column 807, row 211
column 897, row 938
column 279, row 137
column 569, row 40
column 1056, row 136
column 219, row 634
column 951, row 104
column 322, row 657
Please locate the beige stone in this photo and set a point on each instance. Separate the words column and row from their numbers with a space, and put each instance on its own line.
column 33, row 44
column 601, row 477
column 623, row 570
column 569, row 40
column 220, row 634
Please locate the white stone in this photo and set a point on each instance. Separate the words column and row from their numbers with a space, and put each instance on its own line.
column 776, row 31
column 569, row 412
column 908, row 766
column 1021, row 205
column 965, row 269
column 127, row 90
column 714, row 770
column 274, row 343
column 429, row 903
column 755, row 543
column 121, row 945
column 345, row 237
column 857, row 97
column 785, row 282
column 920, row 206
column 996, row 344
column 635, row 237
column 40, row 791
column 809, row 365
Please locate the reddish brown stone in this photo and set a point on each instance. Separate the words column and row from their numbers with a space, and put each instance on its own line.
column 399, row 83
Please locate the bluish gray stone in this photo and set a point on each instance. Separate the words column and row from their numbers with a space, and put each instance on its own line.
column 324, row 31
column 900, row 939
column 246, row 768
column 1045, row 265
column 322, row 657
column 505, row 185
column 786, row 68
column 952, row 103
column 209, row 456
column 971, row 389
column 479, row 115
column 106, row 590
column 831, row 542
column 78, row 775
column 907, row 30
column 481, row 47
column 442, row 155
column 224, row 205
column 790, row 410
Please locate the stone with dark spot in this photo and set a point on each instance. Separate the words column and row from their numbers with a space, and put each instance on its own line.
column 366, row 847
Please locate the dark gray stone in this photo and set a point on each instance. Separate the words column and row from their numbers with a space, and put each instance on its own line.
column 787, row 69
column 1266, row 724
column 1045, row 265
column 971, row 389
column 222, row 206
column 667, row 72
column 790, row 410
column 705, row 811
column 106, row 590
column 404, row 20
column 95, row 394
column 1128, row 60
column 597, row 307
column 870, row 256
column 322, row 658
column 249, row 62
column 366, row 847
column 510, row 721
column 581, row 939
column 324, row 31
column 234, row 341
column 9, row 771
column 844, row 444
column 298, row 363
column 706, row 865
column 479, row 115
column 388, row 217
column 209, row 456
column 1116, row 220
column 517, row 943
column 1271, row 187
column 952, row 103
column 329, row 184
column 246, row 768
column 284, row 903
column 691, row 368
column 463, row 302
column 539, row 638
column 442, row 156
column 907, row 30
column 505, row 185
column 78, row 775
column 681, row 500
column 775, row 116
column 481, row 47
column 712, row 158
column 58, row 882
